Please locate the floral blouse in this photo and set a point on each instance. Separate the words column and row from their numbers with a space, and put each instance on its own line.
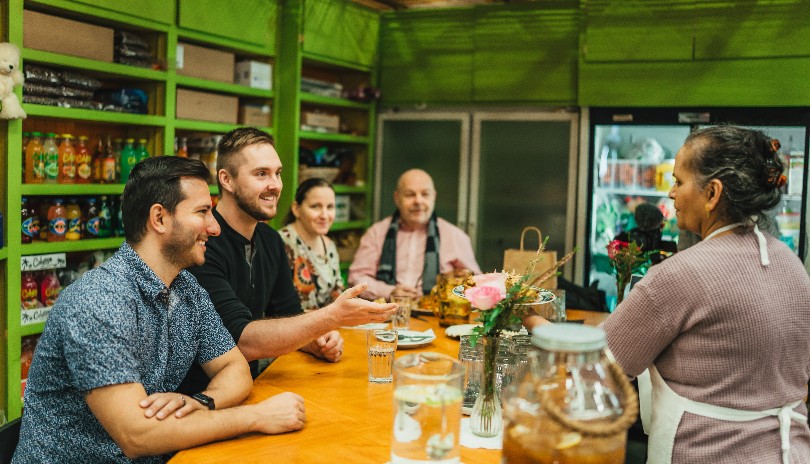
column 316, row 278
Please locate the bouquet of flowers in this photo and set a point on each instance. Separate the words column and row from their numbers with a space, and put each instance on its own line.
column 626, row 258
column 501, row 299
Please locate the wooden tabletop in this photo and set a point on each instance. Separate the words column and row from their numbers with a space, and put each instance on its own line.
column 348, row 418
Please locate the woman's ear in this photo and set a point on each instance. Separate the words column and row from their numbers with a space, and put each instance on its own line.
column 714, row 191
column 295, row 208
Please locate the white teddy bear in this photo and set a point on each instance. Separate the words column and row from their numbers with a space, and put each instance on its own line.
column 10, row 75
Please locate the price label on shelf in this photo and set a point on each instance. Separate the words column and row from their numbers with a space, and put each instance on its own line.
column 41, row 262
column 34, row 315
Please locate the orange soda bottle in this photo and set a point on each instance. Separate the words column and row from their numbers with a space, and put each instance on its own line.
column 57, row 221
column 34, row 160
column 84, row 162
column 67, row 158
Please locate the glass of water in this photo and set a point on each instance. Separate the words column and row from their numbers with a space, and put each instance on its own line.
column 381, row 345
column 427, row 409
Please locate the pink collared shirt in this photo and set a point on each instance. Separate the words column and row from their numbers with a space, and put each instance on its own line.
column 455, row 252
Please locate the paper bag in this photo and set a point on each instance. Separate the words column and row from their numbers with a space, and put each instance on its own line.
column 518, row 260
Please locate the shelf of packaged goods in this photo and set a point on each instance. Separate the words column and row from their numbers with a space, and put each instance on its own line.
column 94, row 115
column 32, row 329
column 236, row 46
column 208, row 126
column 332, row 101
column 633, row 191
column 87, row 9
column 38, row 248
column 348, row 225
column 340, row 188
column 3, row 253
column 313, row 60
column 72, row 189
column 104, row 69
column 328, row 137
column 223, row 87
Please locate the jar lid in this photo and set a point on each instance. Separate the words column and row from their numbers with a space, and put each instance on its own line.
column 569, row 337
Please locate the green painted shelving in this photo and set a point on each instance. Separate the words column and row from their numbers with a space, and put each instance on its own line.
column 223, row 87
column 3, row 253
column 340, row 188
column 41, row 248
column 72, row 189
column 328, row 137
column 332, row 101
column 94, row 115
column 208, row 126
column 98, row 67
column 349, row 225
column 32, row 329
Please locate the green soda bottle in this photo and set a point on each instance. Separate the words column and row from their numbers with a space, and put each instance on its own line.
column 129, row 158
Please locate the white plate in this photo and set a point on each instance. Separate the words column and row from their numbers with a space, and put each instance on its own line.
column 458, row 331
column 417, row 342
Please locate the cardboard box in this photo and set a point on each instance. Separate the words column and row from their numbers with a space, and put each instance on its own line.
column 67, row 37
column 342, row 207
column 255, row 115
column 254, row 74
column 205, row 63
column 205, row 106
column 328, row 122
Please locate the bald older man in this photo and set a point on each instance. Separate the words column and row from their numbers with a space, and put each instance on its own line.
column 401, row 255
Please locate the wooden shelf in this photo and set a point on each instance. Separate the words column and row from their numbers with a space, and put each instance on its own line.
column 332, row 101
column 72, row 189
column 94, row 115
column 223, row 42
column 327, row 137
column 314, row 60
column 38, row 248
column 208, row 126
column 348, row 225
column 339, row 188
column 98, row 67
column 33, row 329
column 223, row 87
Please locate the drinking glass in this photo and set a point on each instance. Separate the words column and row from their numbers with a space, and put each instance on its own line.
column 427, row 409
column 381, row 345
column 401, row 319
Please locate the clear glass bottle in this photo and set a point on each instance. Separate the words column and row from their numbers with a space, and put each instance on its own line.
column 573, row 405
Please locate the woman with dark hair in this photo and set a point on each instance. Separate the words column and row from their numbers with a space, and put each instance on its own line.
column 723, row 326
column 313, row 256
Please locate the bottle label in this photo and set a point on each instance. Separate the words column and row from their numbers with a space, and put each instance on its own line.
column 39, row 166
column 30, row 227
column 74, row 228
column 51, row 168
column 69, row 171
column 93, row 225
column 108, row 171
column 29, row 298
column 57, row 226
column 51, row 294
column 84, row 171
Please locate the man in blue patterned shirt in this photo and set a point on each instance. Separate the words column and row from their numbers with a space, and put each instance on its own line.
column 119, row 341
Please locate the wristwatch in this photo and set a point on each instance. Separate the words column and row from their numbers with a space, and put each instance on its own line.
column 205, row 400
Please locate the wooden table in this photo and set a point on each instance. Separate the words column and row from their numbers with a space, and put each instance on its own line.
column 348, row 419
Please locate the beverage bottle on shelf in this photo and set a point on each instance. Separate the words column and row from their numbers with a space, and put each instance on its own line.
column 29, row 343
column 212, row 159
column 98, row 160
column 84, row 162
column 49, row 288
column 182, row 148
column 118, row 146
column 29, row 291
column 52, row 164
column 105, row 215
column 108, row 165
column 57, row 221
column 92, row 219
column 30, row 222
column 74, row 221
column 119, row 220
column 26, row 136
column 34, row 160
column 42, row 212
column 142, row 151
column 129, row 158
column 67, row 158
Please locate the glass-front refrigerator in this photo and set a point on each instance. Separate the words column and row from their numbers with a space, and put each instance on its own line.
column 632, row 154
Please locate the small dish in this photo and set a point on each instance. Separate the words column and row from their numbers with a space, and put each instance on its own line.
column 414, row 339
column 458, row 331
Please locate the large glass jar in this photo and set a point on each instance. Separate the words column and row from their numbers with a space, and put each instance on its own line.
column 573, row 405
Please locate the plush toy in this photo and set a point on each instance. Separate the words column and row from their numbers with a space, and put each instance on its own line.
column 10, row 75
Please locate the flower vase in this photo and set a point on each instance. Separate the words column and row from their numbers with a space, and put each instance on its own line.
column 621, row 284
column 486, row 418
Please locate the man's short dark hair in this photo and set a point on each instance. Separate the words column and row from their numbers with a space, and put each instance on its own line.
column 156, row 181
column 234, row 141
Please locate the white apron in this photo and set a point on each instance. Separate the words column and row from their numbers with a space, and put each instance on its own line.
column 662, row 414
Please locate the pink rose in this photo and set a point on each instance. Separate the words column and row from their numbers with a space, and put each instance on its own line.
column 484, row 297
column 492, row 279
column 614, row 247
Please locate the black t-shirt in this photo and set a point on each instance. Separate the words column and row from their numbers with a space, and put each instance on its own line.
column 243, row 289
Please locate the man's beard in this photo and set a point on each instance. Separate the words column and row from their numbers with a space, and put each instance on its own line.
column 251, row 207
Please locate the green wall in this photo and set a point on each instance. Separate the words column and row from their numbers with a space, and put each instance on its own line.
column 599, row 53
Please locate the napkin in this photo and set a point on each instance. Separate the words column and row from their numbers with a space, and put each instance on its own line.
column 471, row 440
column 418, row 335
column 371, row 326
